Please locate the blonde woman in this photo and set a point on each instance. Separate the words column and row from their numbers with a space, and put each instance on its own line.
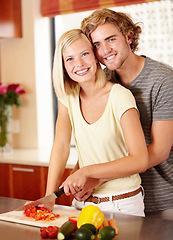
column 108, row 134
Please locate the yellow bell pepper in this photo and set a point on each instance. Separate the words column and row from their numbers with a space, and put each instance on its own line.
column 90, row 214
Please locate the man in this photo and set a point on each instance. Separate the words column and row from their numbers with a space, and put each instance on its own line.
column 115, row 39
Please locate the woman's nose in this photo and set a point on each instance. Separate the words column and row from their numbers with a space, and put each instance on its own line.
column 79, row 62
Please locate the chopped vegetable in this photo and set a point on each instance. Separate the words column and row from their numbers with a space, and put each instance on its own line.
column 90, row 214
column 40, row 213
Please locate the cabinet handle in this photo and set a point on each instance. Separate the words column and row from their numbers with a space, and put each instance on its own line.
column 23, row 169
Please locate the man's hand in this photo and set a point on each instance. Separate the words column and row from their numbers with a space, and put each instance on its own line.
column 88, row 188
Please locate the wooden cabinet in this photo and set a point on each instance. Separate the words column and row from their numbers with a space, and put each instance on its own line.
column 27, row 182
column 4, row 180
column 65, row 200
column 10, row 19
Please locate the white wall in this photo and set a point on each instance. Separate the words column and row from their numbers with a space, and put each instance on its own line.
column 27, row 61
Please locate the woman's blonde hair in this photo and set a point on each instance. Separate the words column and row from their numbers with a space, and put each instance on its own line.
column 63, row 84
column 119, row 19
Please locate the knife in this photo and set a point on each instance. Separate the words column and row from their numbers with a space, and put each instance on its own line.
column 42, row 200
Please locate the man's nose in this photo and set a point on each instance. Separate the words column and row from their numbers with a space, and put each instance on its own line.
column 106, row 48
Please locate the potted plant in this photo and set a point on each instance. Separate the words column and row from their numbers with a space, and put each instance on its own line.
column 9, row 96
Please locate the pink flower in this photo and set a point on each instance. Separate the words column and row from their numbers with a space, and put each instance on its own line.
column 19, row 90
column 12, row 87
column 16, row 88
column 3, row 88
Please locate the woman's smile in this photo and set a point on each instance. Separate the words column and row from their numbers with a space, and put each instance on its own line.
column 82, row 72
column 79, row 61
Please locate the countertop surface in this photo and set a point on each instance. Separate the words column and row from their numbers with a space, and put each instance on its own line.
column 34, row 157
column 130, row 227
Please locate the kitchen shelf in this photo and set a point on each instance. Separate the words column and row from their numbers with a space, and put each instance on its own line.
column 35, row 157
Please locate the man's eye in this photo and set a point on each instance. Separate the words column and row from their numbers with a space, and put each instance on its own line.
column 96, row 45
column 111, row 39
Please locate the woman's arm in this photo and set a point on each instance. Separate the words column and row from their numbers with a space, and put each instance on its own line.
column 135, row 162
column 60, row 150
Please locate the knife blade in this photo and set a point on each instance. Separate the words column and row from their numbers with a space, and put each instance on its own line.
column 42, row 200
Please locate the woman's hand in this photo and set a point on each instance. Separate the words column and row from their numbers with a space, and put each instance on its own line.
column 75, row 182
column 48, row 205
column 88, row 188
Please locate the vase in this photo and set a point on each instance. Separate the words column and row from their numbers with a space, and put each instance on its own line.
column 5, row 134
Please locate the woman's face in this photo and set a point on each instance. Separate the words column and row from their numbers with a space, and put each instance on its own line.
column 79, row 61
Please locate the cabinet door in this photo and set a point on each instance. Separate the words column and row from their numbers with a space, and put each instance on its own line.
column 10, row 19
column 65, row 200
column 27, row 182
column 4, row 180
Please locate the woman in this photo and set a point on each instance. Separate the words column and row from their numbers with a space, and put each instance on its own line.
column 106, row 126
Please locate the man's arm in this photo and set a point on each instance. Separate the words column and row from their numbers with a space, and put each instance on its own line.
column 88, row 188
column 162, row 140
column 159, row 149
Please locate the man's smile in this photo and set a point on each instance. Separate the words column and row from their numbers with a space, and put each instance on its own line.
column 110, row 57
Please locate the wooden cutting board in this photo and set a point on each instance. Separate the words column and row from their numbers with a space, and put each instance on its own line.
column 19, row 217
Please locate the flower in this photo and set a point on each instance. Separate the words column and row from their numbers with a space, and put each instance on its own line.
column 9, row 95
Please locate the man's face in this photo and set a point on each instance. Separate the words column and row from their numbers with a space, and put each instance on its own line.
column 111, row 47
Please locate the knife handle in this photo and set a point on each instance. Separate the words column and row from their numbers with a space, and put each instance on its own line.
column 59, row 192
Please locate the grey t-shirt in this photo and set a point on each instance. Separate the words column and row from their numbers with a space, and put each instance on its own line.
column 153, row 91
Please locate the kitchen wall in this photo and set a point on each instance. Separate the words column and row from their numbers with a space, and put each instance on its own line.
column 27, row 61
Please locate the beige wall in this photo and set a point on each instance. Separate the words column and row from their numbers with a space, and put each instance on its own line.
column 26, row 61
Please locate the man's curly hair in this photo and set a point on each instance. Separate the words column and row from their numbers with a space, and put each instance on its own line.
column 121, row 20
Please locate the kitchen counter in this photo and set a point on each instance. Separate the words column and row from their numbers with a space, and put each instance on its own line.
column 35, row 157
column 130, row 227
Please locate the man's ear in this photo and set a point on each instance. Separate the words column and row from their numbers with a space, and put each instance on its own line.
column 129, row 37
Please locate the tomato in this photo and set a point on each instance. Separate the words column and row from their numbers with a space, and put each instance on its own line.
column 33, row 210
column 52, row 232
column 40, row 213
column 44, row 232
column 73, row 220
column 27, row 212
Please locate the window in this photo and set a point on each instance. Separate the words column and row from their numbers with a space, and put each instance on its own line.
column 157, row 28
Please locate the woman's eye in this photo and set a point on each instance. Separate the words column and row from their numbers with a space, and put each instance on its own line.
column 85, row 53
column 69, row 59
